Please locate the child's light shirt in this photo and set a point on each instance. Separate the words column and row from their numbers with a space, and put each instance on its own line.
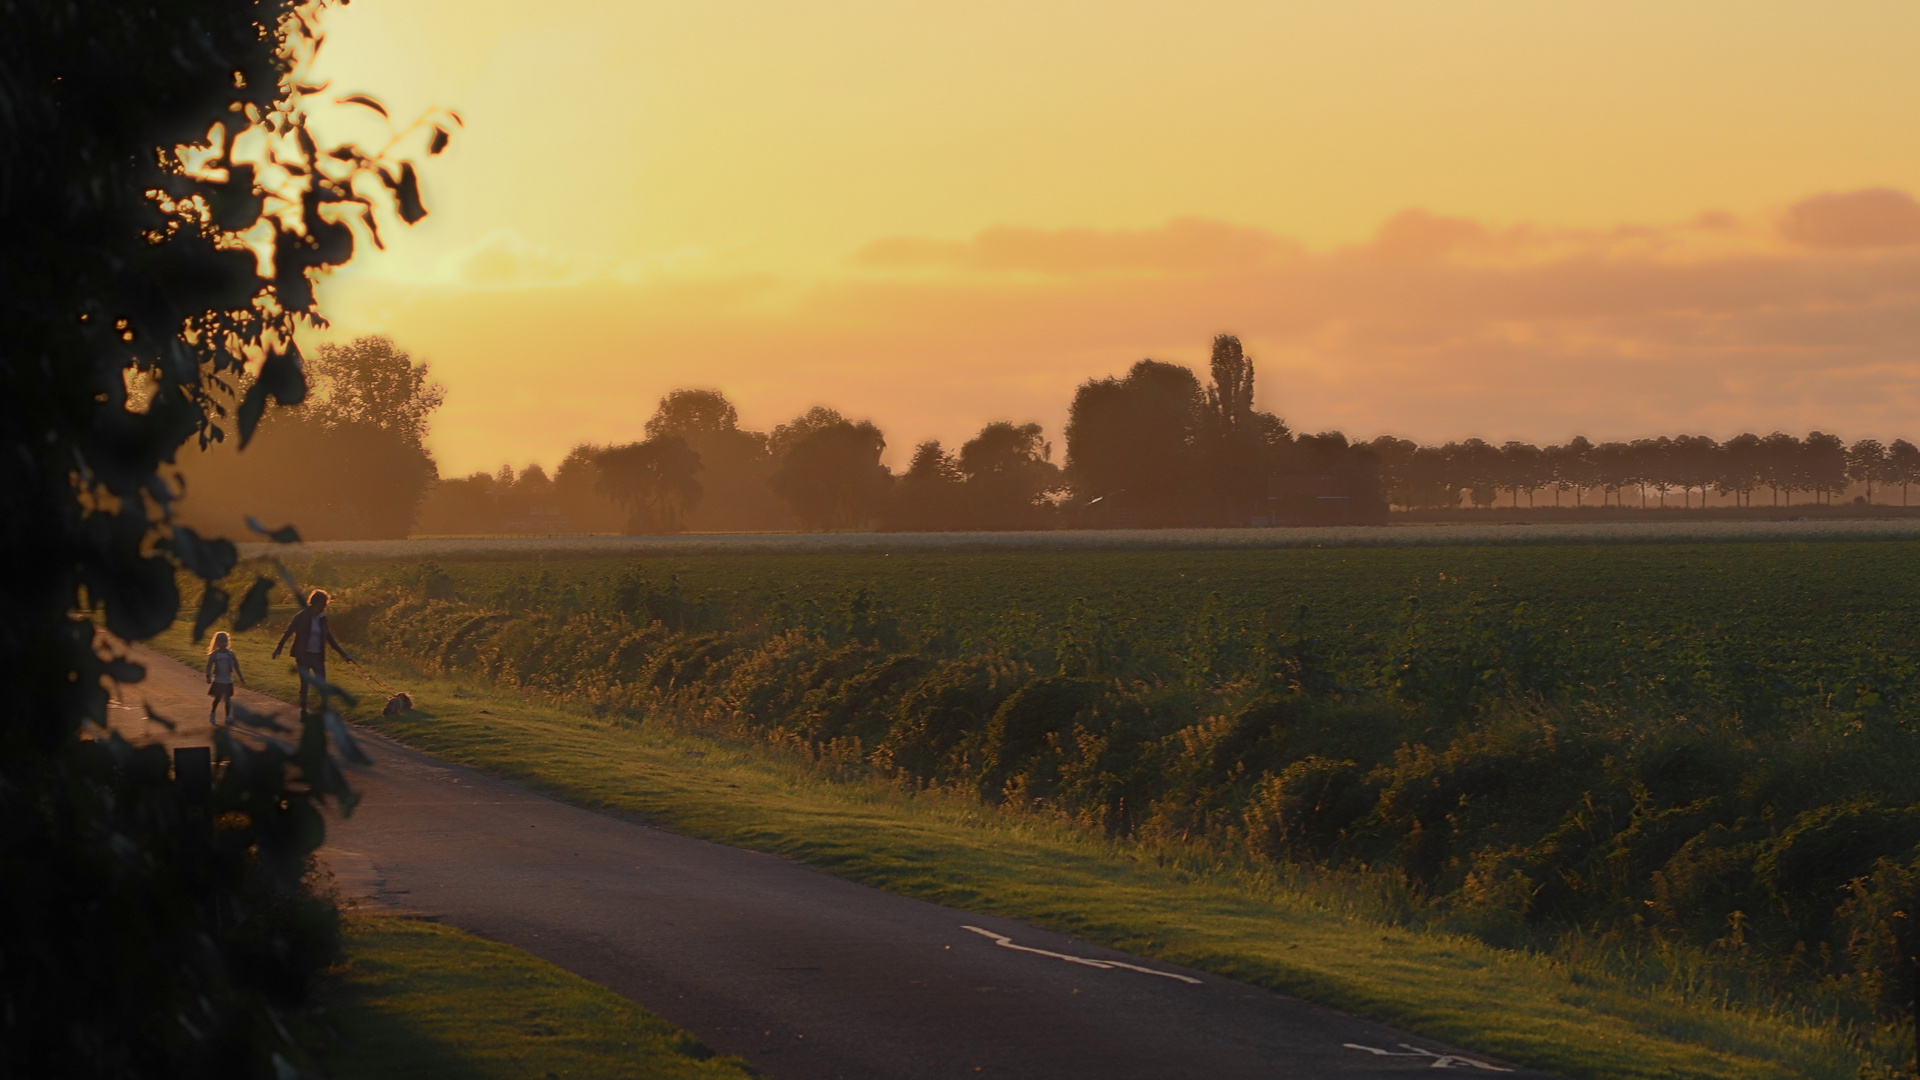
column 222, row 662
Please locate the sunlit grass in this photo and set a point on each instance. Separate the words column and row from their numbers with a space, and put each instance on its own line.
column 1306, row 935
column 418, row 1000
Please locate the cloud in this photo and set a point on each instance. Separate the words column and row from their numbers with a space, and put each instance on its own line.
column 1416, row 234
column 1181, row 247
column 1435, row 328
column 505, row 259
column 1868, row 218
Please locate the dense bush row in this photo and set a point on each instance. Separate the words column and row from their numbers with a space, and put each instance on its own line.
column 1480, row 760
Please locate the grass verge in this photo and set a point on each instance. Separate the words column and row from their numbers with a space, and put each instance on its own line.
column 415, row 999
column 1297, row 935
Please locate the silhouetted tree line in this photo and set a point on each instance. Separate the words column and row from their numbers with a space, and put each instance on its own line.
column 1152, row 447
column 1648, row 472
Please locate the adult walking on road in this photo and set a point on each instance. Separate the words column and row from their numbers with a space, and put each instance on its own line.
column 310, row 636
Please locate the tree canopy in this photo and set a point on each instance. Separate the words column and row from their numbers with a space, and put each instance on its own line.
column 350, row 461
column 690, row 413
column 1136, row 437
column 653, row 480
column 829, row 470
column 1167, row 450
column 371, row 383
column 1008, row 476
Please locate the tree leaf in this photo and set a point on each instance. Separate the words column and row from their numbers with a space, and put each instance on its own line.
column 285, row 534
column 327, row 779
column 406, row 192
column 283, row 376
column 290, row 282
column 252, row 407
column 235, row 204
column 213, row 604
column 332, row 241
column 253, row 606
column 363, row 100
column 210, row 560
column 343, row 740
column 244, row 715
column 440, row 140
column 326, row 688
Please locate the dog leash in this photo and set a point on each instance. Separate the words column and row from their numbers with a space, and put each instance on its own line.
column 373, row 680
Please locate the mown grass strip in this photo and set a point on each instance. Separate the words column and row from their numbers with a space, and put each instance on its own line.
column 415, row 999
column 1305, row 941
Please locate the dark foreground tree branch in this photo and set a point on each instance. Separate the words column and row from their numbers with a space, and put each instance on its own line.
column 156, row 267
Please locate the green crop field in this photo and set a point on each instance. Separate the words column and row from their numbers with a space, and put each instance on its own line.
column 1701, row 761
column 1751, row 627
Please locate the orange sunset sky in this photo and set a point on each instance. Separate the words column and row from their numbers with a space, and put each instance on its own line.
column 1510, row 220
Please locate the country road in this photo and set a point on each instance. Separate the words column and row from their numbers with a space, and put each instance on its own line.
column 804, row 975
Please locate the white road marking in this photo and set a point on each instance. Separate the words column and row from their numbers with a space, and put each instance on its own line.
column 1006, row 942
column 1440, row 1061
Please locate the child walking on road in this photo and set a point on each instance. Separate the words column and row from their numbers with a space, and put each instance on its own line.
column 223, row 667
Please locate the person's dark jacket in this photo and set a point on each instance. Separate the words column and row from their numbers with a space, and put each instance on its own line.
column 297, row 633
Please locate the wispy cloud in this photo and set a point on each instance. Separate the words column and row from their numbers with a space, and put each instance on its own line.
column 1185, row 246
column 1873, row 218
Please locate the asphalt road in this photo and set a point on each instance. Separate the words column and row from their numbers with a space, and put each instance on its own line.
column 804, row 975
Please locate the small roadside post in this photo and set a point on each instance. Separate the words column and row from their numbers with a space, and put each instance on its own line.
column 193, row 782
